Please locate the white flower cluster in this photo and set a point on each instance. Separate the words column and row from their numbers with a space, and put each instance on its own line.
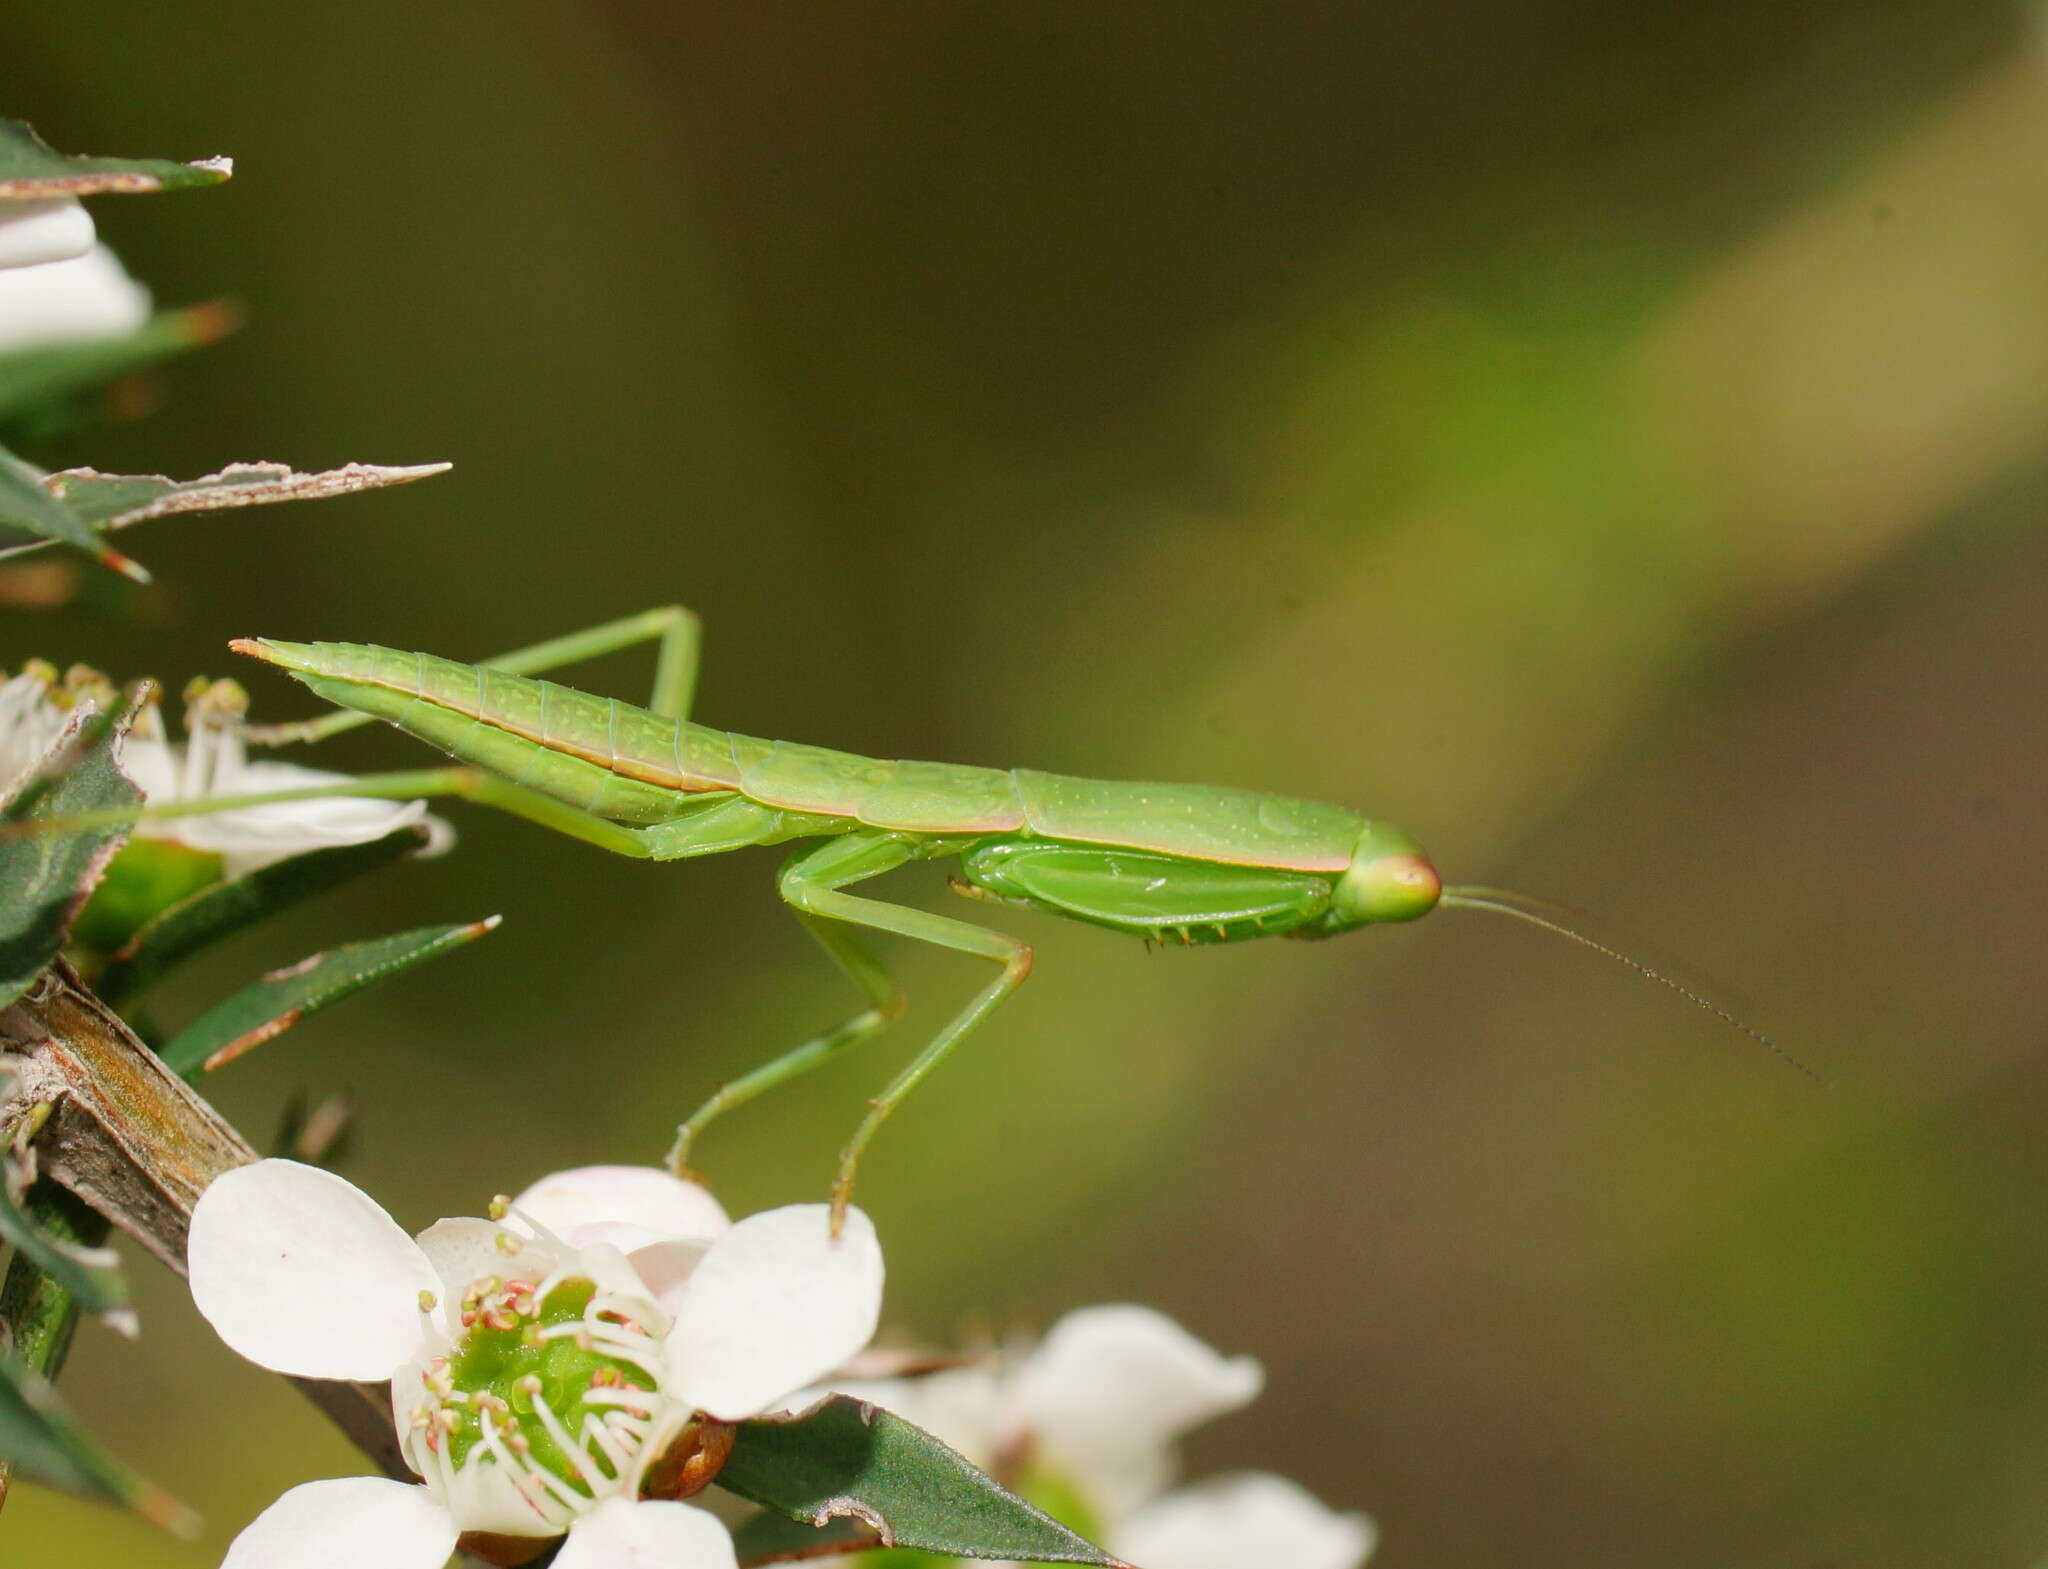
column 550, row 1365
column 1091, row 1415
column 544, row 1366
column 36, row 707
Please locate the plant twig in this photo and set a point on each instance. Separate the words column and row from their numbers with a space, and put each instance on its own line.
column 134, row 1142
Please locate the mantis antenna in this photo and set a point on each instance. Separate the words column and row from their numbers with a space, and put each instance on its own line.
column 1523, row 908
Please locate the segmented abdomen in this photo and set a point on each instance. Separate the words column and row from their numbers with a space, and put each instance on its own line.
column 637, row 767
column 1200, row 822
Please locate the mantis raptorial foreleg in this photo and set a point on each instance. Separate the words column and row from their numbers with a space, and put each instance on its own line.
column 673, row 627
column 473, row 784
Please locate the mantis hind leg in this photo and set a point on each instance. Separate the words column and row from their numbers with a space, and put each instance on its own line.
column 812, row 885
column 885, row 1007
column 1012, row 955
column 830, row 865
column 673, row 627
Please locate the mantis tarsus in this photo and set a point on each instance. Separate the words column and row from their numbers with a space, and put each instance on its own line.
column 1190, row 864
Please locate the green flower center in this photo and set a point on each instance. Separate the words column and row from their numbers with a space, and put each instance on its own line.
column 558, row 1391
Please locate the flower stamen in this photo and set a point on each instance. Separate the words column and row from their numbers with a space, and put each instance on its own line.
column 546, row 1398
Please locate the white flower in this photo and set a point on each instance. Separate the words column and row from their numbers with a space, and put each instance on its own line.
column 535, row 1379
column 1086, row 1423
column 31, row 724
column 87, row 297
column 214, row 761
column 43, row 229
column 1097, row 1405
column 1227, row 1522
column 35, row 708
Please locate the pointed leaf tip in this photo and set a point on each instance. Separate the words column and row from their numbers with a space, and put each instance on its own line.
column 241, row 1045
column 206, row 323
column 80, row 506
column 845, row 1458
column 127, row 566
column 67, row 382
column 263, row 1011
column 45, row 1444
column 30, row 167
column 223, row 909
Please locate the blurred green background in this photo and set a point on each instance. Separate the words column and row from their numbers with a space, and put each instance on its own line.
column 1610, row 441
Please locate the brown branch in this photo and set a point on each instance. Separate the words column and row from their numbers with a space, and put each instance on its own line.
column 134, row 1141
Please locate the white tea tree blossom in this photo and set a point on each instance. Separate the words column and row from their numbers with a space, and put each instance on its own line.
column 170, row 860
column 1247, row 1517
column 34, row 713
column 214, row 762
column 74, row 300
column 544, row 1381
column 39, row 229
column 1086, row 1424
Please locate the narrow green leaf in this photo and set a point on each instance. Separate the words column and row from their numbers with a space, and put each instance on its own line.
column 844, row 1458
column 26, row 508
column 33, row 379
column 101, row 502
column 46, row 878
column 92, row 1275
column 43, row 1442
column 117, row 500
column 29, row 167
column 40, row 1314
column 226, row 908
column 274, row 1004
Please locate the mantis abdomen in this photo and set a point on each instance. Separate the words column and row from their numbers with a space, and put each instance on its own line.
column 634, row 766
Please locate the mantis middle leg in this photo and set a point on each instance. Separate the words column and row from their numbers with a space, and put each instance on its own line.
column 673, row 627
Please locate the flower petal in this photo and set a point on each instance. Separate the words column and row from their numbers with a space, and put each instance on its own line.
column 664, row 1266
column 302, row 1272
column 653, row 1535
column 613, row 1272
column 1229, row 1521
column 31, row 727
column 644, row 1196
column 1110, row 1388
column 255, row 836
column 147, row 758
column 89, row 296
column 348, row 1523
column 776, row 1303
column 45, row 229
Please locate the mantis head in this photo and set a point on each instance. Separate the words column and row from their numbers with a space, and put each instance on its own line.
column 1389, row 879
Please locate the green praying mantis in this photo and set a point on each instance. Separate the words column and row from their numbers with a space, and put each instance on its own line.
column 1170, row 863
